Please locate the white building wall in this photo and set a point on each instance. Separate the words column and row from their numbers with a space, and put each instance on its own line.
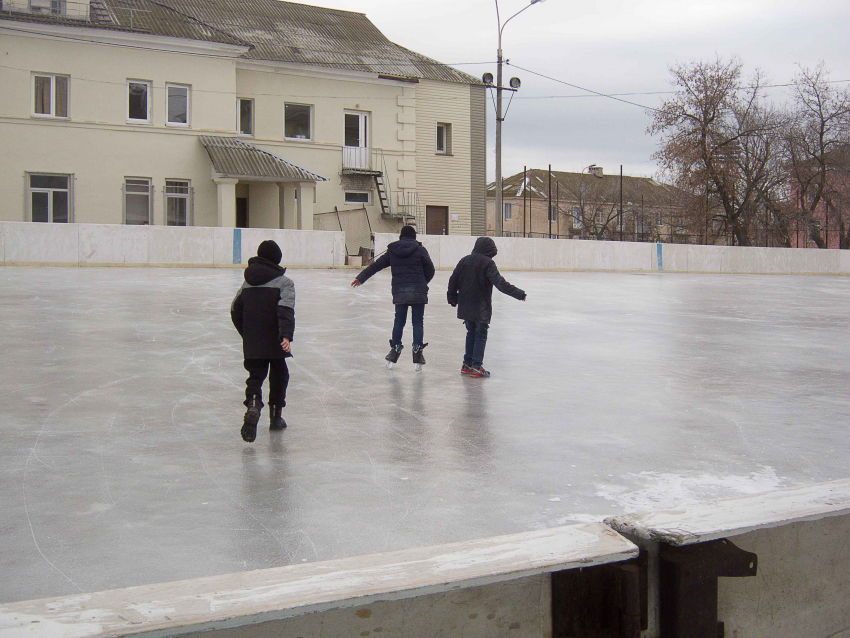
column 444, row 179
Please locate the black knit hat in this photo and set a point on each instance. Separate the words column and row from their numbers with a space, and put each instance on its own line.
column 270, row 250
column 407, row 231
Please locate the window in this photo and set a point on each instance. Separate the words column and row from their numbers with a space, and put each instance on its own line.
column 246, row 116
column 444, row 138
column 576, row 215
column 177, row 202
column 138, row 101
column 177, row 109
column 49, row 198
column 507, row 212
column 356, row 129
column 296, row 121
column 137, row 201
column 56, row 7
column 358, row 197
column 50, row 95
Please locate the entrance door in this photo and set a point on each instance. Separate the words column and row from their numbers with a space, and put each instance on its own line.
column 356, row 152
column 437, row 220
column 241, row 212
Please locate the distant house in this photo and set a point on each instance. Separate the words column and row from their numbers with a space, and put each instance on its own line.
column 257, row 113
column 587, row 206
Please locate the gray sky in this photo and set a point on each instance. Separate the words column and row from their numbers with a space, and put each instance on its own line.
column 611, row 47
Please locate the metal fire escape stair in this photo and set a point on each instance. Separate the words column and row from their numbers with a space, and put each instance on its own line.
column 383, row 197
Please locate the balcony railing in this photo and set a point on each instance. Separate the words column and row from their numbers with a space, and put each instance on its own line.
column 358, row 159
column 63, row 8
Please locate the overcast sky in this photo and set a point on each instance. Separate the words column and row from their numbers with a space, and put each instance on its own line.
column 610, row 47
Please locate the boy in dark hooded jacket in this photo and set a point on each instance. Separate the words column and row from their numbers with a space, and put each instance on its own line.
column 412, row 269
column 263, row 312
column 471, row 290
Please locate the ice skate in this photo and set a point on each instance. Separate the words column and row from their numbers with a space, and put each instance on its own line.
column 276, row 421
column 395, row 353
column 252, row 417
column 418, row 357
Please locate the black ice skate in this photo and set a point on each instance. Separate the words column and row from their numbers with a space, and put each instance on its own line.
column 395, row 353
column 418, row 357
column 252, row 417
column 276, row 421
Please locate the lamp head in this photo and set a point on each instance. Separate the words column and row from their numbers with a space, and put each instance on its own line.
column 515, row 83
column 487, row 78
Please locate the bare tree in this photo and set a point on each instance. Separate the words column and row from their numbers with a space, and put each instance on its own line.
column 595, row 204
column 719, row 143
column 817, row 141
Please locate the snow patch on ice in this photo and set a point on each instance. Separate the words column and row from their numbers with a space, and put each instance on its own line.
column 666, row 491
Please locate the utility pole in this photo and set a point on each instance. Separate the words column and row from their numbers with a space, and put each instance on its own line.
column 621, row 202
column 524, row 188
column 550, row 201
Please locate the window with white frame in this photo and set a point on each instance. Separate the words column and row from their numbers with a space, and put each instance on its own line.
column 358, row 197
column 508, row 211
column 178, row 202
column 577, row 219
column 138, row 101
column 297, row 124
column 444, row 138
column 246, row 116
column 50, row 94
column 177, row 105
column 137, row 201
column 49, row 198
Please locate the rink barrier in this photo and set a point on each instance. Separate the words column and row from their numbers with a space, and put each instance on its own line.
column 521, row 253
column 783, row 558
column 25, row 244
column 509, row 576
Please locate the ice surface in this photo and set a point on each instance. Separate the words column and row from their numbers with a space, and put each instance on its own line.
column 121, row 461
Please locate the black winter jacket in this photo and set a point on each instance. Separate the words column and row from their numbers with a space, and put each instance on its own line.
column 471, row 283
column 263, row 310
column 412, row 269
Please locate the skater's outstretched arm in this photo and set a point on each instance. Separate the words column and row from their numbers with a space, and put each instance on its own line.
column 503, row 286
column 379, row 264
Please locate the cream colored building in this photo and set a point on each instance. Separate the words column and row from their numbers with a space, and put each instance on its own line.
column 260, row 113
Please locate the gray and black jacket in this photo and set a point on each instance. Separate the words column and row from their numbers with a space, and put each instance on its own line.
column 263, row 310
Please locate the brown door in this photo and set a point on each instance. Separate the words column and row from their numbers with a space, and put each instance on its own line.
column 437, row 220
column 241, row 212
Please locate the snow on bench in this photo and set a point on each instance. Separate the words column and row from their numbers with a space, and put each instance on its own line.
column 232, row 600
column 721, row 519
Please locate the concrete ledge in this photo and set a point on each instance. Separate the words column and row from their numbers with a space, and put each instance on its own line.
column 723, row 519
column 241, row 599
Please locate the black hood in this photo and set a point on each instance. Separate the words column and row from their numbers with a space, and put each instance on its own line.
column 404, row 247
column 485, row 246
column 261, row 271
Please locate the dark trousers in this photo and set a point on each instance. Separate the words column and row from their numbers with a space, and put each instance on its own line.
column 476, row 341
column 278, row 380
column 417, row 312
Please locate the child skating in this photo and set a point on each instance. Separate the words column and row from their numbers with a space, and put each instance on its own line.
column 471, row 290
column 263, row 312
column 412, row 269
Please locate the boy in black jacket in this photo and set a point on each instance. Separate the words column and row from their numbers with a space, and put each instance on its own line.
column 263, row 312
column 412, row 269
column 471, row 290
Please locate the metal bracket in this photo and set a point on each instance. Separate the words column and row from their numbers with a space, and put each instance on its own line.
column 688, row 586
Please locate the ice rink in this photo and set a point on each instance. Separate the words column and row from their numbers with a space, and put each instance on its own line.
column 121, row 461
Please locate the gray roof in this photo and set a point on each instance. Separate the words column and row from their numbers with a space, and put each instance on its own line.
column 232, row 157
column 273, row 30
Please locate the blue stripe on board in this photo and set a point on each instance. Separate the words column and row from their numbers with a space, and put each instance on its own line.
column 237, row 245
column 660, row 260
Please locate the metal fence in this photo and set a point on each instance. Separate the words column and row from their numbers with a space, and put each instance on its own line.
column 354, row 223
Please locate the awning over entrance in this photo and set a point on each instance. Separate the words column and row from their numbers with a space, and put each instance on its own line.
column 234, row 158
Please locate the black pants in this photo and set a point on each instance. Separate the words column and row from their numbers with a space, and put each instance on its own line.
column 278, row 380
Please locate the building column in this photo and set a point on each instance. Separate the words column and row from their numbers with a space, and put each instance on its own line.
column 288, row 211
column 226, row 192
column 306, row 191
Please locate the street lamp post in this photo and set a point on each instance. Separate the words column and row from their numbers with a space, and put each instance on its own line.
column 499, row 88
column 581, row 192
